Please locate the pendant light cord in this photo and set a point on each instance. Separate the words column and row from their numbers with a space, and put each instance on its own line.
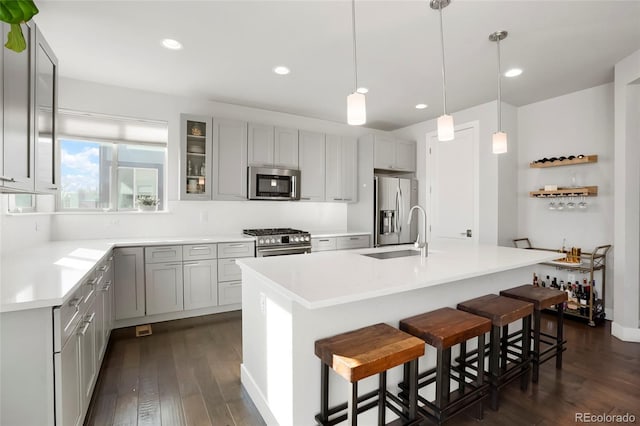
column 499, row 91
column 444, row 78
column 355, row 56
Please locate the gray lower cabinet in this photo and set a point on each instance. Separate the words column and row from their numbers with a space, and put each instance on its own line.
column 200, row 284
column 68, row 388
column 129, row 282
column 229, row 273
column 164, row 287
column 344, row 242
column 88, row 356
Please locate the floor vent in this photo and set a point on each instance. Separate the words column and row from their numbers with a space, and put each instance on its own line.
column 143, row 330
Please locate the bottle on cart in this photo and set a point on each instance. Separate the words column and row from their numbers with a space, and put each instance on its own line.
column 535, row 280
column 562, row 285
column 543, row 283
column 554, row 283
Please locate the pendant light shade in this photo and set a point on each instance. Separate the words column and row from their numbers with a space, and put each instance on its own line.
column 445, row 128
column 499, row 140
column 356, row 109
column 445, row 121
column 356, row 102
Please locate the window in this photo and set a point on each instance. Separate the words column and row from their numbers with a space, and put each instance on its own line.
column 22, row 203
column 108, row 163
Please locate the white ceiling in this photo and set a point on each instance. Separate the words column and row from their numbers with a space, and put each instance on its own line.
column 230, row 48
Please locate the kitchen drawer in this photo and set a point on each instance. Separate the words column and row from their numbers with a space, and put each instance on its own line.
column 323, row 244
column 353, row 242
column 230, row 293
column 199, row 251
column 227, row 250
column 163, row 254
column 66, row 317
column 228, row 270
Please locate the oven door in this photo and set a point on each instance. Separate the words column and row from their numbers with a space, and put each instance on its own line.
column 282, row 251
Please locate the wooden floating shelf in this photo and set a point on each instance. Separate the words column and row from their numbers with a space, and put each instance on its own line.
column 585, row 191
column 586, row 159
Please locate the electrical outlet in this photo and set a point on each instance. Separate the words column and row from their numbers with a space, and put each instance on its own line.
column 571, row 278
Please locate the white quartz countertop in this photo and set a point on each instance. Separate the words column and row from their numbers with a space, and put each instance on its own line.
column 44, row 275
column 331, row 278
column 332, row 233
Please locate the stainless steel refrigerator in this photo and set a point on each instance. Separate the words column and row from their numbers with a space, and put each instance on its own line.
column 393, row 197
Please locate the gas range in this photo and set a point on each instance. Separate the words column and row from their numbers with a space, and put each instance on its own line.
column 280, row 241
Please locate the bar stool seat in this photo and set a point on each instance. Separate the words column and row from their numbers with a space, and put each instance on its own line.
column 503, row 311
column 543, row 298
column 361, row 353
column 443, row 329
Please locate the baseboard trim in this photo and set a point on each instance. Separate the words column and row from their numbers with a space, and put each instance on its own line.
column 150, row 319
column 256, row 396
column 627, row 334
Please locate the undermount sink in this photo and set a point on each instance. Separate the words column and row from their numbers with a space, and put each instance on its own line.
column 393, row 254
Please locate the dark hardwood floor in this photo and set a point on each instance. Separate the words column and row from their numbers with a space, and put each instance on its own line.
column 188, row 373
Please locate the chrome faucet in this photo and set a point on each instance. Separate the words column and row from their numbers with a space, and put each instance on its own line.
column 423, row 246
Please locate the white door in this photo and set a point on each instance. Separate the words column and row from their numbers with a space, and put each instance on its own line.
column 286, row 148
column 452, row 171
column 260, row 145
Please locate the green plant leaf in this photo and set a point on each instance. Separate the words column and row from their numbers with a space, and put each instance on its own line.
column 15, row 39
column 17, row 11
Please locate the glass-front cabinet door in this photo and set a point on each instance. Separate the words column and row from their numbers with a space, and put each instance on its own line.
column 46, row 77
column 196, row 157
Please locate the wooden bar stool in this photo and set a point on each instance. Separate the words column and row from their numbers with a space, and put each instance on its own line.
column 361, row 353
column 543, row 298
column 443, row 329
column 505, row 363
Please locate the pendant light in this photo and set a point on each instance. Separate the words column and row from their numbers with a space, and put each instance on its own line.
column 445, row 121
column 356, row 106
column 499, row 140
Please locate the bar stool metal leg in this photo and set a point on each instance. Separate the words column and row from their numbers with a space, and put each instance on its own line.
column 536, row 345
column 324, row 391
column 526, row 352
column 494, row 365
column 382, row 398
column 352, row 404
column 559, row 335
column 413, row 389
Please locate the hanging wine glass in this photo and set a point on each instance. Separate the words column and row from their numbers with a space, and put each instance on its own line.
column 561, row 204
column 582, row 204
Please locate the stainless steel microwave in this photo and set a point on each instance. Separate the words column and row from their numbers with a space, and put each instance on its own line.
column 273, row 184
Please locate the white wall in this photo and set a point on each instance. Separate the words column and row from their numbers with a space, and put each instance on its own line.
column 626, row 320
column 184, row 218
column 492, row 201
column 577, row 123
column 19, row 231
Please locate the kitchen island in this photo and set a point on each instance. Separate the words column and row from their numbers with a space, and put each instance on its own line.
column 289, row 302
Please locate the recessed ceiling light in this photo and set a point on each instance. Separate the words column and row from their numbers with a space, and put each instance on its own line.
column 421, row 106
column 172, row 44
column 281, row 70
column 362, row 90
column 513, row 72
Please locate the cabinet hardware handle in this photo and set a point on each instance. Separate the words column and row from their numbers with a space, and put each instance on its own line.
column 191, row 263
column 83, row 331
column 93, row 281
column 110, row 258
column 354, row 238
column 236, row 245
column 106, row 287
column 324, row 241
column 75, row 303
column 91, row 318
column 55, row 188
column 7, row 179
column 104, row 268
column 163, row 248
column 337, row 199
column 173, row 264
column 346, row 199
column 305, row 198
column 200, row 248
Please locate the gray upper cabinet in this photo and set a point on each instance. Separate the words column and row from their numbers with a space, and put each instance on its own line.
column 196, row 157
column 341, row 168
column 405, row 155
column 17, row 151
column 46, row 88
column 393, row 154
column 312, row 166
column 260, row 145
column 230, row 152
column 285, row 152
column 270, row 146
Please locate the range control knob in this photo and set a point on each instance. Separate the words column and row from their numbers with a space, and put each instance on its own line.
column 273, row 241
column 260, row 241
column 296, row 239
column 306, row 238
